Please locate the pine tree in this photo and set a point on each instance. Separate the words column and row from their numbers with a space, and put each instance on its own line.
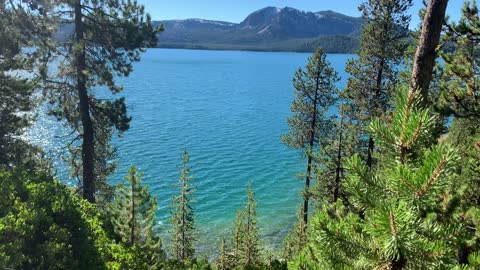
column 315, row 94
column 459, row 97
column 330, row 161
column 410, row 203
column 464, row 134
column 461, row 87
column 250, row 253
column 133, row 217
column 238, row 232
column 224, row 260
column 374, row 73
column 20, row 25
column 296, row 239
column 183, row 216
column 108, row 37
column 245, row 236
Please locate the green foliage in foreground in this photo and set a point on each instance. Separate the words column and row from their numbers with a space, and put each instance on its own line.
column 408, row 206
column 43, row 225
column 133, row 218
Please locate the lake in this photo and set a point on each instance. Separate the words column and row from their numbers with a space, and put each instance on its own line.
column 228, row 108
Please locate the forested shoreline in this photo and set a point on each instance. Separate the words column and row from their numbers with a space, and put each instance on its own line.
column 390, row 182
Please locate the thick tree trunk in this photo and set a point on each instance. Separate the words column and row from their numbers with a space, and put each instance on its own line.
column 424, row 60
column 88, row 148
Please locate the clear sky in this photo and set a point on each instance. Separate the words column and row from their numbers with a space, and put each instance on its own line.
column 237, row 10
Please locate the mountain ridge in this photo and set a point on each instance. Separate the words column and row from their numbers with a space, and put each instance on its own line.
column 267, row 29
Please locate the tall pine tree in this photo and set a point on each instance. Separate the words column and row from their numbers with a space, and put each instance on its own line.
column 315, row 94
column 21, row 24
column 108, row 36
column 182, row 215
column 374, row 73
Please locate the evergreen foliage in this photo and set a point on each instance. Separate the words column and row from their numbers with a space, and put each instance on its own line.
column 182, row 215
column 108, row 37
column 223, row 261
column 464, row 134
column 413, row 203
column 133, row 218
column 330, row 160
column 296, row 239
column 43, row 225
column 460, row 87
column 245, row 235
column 309, row 126
column 409, row 205
column 374, row 73
column 16, row 89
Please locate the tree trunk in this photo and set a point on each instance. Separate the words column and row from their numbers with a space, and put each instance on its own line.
column 424, row 60
column 338, row 170
column 133, row 214
column 184, row 209
column 307, row 186
column 88, row 148
column 309, row 159
column 248, row 234
column 378, row 86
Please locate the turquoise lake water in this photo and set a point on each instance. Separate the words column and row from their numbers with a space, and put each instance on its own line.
column 229, row 109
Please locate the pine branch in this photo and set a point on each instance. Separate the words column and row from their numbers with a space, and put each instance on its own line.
column 436, row 173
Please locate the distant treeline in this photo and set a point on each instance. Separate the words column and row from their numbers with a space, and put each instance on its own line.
column 330, row 44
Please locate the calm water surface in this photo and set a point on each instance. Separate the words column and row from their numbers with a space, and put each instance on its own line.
column 229, row 110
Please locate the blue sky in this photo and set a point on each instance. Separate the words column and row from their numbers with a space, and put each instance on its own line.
column 237, row 10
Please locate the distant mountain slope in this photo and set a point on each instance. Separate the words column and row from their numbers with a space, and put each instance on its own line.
column 268, row 29
column 288, row 22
